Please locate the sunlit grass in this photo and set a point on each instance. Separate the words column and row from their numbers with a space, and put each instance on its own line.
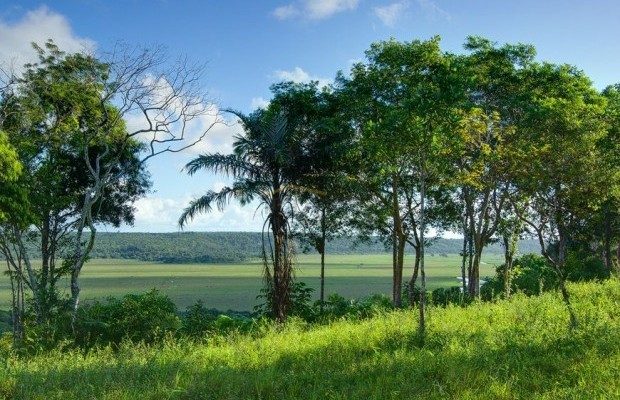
column 520, row 349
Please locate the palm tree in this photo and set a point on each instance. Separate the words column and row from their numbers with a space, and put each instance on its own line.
column 262, row 167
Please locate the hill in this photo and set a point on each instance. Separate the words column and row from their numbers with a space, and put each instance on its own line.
column 230, row 247
column 234, row 247
column 517, row 349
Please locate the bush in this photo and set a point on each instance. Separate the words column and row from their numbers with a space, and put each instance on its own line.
column 197, row 320
column 445, row 296
column 300, row 303
column 531, row 275
column 136, row 317
column 337, row 307
column 582, row 265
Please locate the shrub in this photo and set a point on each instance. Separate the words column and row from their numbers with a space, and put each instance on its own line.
column 136, row 317
column 582, row 265
column 337, row 307
column 446, row 296
column 531, row 275
column 300, row 303
column 197, row 320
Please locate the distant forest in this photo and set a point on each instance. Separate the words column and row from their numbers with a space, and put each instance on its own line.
column 230, row 247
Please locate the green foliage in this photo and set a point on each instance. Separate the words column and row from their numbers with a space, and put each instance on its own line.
column 235, row 247
column 10, row 171
column 517, row 349
column 447, row 296
column 531, row 275
column 300, row 296
column 5, row 320
column 199, row 321
column 338, row 307
column 144, row 318
column 582, row 265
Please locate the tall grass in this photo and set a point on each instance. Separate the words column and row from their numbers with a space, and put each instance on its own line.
column 517, row 349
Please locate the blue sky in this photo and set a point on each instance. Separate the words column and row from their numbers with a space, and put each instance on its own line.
column 249, row 45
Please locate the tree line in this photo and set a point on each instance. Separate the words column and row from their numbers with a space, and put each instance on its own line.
column 491, row 144
column 235, row 247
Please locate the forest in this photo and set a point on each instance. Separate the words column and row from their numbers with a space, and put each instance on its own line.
column 232, row 247
column 411, row 142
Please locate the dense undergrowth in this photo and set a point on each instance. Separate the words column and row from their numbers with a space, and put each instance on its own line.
column 521, row 348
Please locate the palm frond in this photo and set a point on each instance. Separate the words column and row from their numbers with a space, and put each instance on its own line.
column 229, row 165
column 204, row 204
column 197, row 206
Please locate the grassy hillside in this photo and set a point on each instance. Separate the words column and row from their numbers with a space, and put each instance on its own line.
column 520, row 349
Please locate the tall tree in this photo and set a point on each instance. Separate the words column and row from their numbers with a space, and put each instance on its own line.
column 402, row 99
column 263, row 167
column 491, row 108
column 322, row 171
column 608, row 217
column 560, row 169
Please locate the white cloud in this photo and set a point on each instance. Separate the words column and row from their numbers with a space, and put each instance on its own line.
column 314, row 9
column 259, row 102
column 37, row 26
column 155, row 214
column 286, row 12
column 298, row 75
column 433, row 11
column 321, row 9
column 389, row 15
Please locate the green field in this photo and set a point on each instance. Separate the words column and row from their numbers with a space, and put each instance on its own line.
column 235, row 286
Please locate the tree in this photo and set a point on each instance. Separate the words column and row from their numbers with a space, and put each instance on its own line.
column 482, row 147
column 608, row 220
column 560, row 170
column 315, row 115
column 383, row 155
column 65, row 116
column 402, row 99
column 263, row 167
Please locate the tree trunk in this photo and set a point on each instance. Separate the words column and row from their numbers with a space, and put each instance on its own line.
column 422, row 326
column 558, row 268
column 607, row 244
column 509, row 251
column 32, row 282
column 618, row 259
column 474, row 277
column 398, row 247
column 322, row 295
column 464, row 258
column 470, row 250
column 414, row 277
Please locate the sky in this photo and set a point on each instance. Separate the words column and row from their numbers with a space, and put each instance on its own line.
column 248, row 45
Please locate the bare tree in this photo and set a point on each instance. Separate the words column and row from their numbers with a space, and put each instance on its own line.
column 162, row 99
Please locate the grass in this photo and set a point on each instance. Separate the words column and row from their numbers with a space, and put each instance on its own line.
column 235, row 286
column 516, row 349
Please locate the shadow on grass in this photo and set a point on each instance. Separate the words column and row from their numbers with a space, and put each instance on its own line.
column 582, row 365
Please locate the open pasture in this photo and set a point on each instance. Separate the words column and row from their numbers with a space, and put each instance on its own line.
column 235, row 286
